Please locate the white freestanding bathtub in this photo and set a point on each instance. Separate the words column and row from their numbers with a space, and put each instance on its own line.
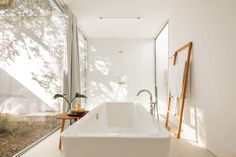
column 116, row 129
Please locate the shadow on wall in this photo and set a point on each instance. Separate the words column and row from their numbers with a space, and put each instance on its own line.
column 16, row 99
column 18, row 46
column 193, row 119
column 107, row 86
column 32, row 54
column 190, row 125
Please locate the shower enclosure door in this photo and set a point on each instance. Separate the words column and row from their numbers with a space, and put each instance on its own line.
column 161, row 69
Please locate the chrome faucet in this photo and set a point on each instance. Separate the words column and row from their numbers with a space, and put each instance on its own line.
column 153, row 105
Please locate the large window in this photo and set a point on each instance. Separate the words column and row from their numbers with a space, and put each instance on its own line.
column 32, row 48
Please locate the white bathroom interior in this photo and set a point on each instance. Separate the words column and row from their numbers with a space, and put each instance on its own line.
column 109, row 50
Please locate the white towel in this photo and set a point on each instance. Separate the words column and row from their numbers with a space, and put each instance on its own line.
column 176, row 79
column 173, row 81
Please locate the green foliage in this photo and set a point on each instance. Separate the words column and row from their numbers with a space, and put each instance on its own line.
column 15, row 125
column 19, row 131
column 6, row 125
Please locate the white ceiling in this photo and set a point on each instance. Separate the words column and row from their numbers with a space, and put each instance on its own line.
column 152, row 12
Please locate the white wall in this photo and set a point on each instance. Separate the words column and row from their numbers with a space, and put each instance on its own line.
column 210, row 113
column 211, row 25
column 135, row 66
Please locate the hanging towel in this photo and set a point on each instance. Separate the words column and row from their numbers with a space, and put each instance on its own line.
column 176, row 79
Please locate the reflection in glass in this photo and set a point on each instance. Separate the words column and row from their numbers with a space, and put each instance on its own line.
column 31, row 72
column 83, row 48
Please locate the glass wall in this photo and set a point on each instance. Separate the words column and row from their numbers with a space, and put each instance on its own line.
column 162, row 61
column 32, row 48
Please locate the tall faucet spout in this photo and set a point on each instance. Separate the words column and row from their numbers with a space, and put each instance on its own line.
column 147, row 91
column 153, row 105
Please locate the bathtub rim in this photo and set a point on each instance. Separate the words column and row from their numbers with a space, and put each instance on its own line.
column 163, row 133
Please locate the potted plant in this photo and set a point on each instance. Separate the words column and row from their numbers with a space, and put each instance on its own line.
column 69, row 103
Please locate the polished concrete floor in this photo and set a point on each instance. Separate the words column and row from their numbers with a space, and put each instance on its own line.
column 178, row 148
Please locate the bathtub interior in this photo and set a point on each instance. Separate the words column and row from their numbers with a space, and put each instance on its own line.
column 115, row 119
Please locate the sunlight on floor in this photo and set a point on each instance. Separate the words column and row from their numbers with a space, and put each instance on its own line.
column 184, row 148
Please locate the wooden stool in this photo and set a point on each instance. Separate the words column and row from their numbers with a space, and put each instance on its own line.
column 63, row 117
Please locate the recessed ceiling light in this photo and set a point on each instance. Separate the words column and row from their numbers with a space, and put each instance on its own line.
column 121, row 51
column 138, row 17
